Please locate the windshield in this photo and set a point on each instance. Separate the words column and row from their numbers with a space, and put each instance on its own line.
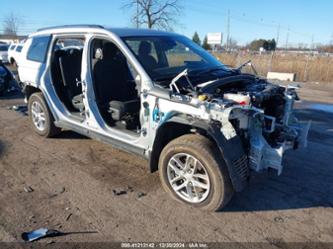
column 163, row 57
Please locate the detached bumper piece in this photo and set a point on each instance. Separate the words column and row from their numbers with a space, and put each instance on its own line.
column 262, row 155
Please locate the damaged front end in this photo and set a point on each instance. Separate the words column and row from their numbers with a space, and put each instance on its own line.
column 261, row 114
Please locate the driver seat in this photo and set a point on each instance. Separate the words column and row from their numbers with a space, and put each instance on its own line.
column 145, row 56
column 116, row 96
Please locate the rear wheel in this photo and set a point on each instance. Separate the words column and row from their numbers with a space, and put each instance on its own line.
column 14, row 63
column 193, row 171
column 41, row 118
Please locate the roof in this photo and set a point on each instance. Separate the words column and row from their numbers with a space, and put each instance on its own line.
column 72, row 26
column 121, row 32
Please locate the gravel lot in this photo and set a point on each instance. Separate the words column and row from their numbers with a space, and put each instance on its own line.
column 73, row 179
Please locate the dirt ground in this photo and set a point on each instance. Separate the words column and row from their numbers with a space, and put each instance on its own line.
column 73, row 179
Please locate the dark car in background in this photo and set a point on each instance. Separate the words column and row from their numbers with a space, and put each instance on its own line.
column 6, row 77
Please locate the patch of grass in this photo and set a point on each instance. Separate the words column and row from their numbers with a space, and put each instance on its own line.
column 310, row 68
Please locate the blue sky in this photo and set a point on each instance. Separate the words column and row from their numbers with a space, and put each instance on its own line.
column 250, row 19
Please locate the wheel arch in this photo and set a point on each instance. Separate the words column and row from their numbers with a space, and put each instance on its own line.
column 50, row 129
column 28, row 90
column 231, row 150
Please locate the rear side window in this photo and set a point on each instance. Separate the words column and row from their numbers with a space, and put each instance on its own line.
column 12, row 47
column 19, row 48
column 3, row 48
column 38, row 48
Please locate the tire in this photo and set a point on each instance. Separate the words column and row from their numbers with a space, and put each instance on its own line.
column 14, row 64
column 210, row 162
column 36, row 102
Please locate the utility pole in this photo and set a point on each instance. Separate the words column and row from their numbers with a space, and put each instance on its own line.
column 329, row 60
column 228, row 30
column 287, row 38
column 278, row 35
column 137, row 14
column 312, row 42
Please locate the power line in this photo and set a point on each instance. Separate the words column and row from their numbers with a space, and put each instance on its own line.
column 202, row 9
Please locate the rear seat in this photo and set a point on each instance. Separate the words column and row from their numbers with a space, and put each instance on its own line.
column 70, row 68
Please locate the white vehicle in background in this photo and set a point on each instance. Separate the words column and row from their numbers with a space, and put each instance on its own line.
column 14, row 53
column 4, row 53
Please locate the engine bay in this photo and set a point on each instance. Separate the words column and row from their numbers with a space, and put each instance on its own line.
column 257, row 111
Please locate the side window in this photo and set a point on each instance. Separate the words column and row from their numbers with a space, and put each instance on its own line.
column 19, row 48
column 38, row 48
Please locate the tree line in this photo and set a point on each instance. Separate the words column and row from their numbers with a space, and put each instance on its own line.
column 197, row 40
column 256, row 45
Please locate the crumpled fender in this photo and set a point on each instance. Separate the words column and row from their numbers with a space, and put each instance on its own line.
column 231, row 149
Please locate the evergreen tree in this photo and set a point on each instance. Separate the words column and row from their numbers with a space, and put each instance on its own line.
column 205, row 44
column 196, row 38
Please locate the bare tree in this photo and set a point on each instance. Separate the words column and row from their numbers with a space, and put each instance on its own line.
column 159, row 14
column 11, row 24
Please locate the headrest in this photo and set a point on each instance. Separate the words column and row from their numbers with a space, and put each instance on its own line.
column 109, row 50
column 144, row 48
column 99, row 54
column 59, row 53
column 74, row 52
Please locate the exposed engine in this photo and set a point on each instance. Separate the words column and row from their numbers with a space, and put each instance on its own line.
column 257, row 111
column 260, row 113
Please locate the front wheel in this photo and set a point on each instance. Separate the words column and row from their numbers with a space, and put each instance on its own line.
column 193, row 171
column 41, row 117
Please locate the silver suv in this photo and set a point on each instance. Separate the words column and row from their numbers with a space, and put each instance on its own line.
column 203, row 125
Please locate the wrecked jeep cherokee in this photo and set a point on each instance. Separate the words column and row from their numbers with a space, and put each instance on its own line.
column 202, row 125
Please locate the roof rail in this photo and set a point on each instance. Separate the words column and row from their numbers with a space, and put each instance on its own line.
column 72, row 26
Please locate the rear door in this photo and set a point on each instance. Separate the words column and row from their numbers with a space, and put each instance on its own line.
column 32, row 59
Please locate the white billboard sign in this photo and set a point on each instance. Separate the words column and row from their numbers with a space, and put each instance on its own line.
column 214, row 38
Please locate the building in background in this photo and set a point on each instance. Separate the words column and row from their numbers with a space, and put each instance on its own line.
column 215, row 40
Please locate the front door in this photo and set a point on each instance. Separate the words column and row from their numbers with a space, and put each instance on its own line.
column 115, row 90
